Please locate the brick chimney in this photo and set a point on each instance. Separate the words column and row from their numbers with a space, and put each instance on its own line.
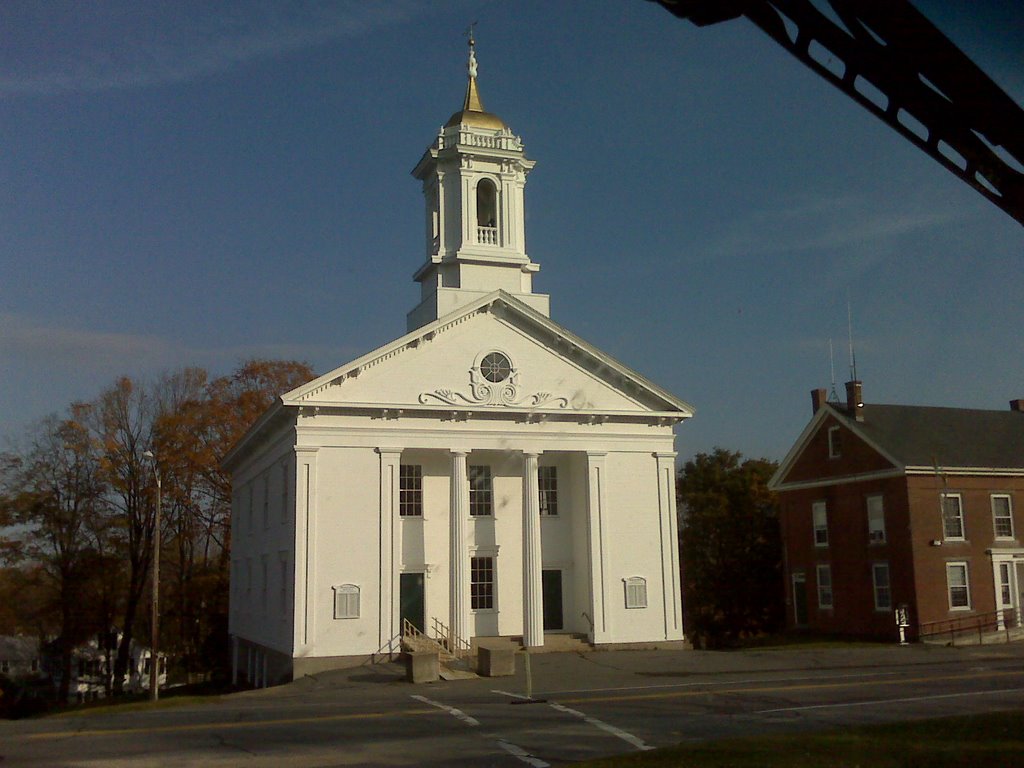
column 1017, row 405
column 855, row 399
column 818, row 398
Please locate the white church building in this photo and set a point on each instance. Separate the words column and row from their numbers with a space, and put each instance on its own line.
column 488, row 474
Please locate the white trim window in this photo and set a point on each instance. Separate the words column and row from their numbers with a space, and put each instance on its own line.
column 481, row 491
column 825, row 586
column 636, row 591
column 876, row 519
column 819, row 517
column 959, row 585
column 547, row 483
column 882, row 586
column 346, row 601
column 952, row 516
column 481, row 583
column 1002, row 515
column 835, row 442
column 410, row 490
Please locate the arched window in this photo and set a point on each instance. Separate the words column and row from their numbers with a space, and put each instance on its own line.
column 486, row 212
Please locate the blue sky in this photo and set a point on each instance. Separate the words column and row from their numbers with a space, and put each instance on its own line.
column 196, row 183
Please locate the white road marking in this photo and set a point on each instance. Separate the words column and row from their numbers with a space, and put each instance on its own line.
column 450, row 710
column 887, row 701
column 522, row 754
column 627, row 737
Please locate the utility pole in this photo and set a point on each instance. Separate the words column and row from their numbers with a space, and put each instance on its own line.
column 154, row 658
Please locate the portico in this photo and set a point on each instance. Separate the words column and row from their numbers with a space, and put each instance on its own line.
column 436, row 516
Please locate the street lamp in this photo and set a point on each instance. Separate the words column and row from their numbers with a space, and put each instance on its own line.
column 154, row 673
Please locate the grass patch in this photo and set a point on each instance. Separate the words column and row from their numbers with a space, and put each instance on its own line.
column 179, row 696
column 994, row 739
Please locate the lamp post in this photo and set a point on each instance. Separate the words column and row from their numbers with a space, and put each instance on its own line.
column 154, row 667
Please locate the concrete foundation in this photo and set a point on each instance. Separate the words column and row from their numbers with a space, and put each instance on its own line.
column 422, row 666
column 495, row 662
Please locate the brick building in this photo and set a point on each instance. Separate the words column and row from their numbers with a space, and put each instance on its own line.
column 890, row 505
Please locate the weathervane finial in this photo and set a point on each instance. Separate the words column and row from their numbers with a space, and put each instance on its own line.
column 472, row 50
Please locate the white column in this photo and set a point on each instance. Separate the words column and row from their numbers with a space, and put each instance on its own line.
column 390, row 460
column 533, row 595
column 458, row 552
column 671, row 603
column 1016, row 591
column 597, row 543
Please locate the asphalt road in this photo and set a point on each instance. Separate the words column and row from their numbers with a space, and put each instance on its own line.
column 594, row 704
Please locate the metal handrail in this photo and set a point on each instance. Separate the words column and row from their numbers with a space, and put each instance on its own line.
column 992, row 621
column 456, row 646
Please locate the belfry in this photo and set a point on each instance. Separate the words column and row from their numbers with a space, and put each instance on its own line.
column 488, row 476
column 474, row 175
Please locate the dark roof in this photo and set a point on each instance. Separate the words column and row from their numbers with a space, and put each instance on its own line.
column 947, row 437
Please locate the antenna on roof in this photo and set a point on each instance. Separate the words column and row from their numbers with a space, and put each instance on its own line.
column 833, row 395
column 849, row 328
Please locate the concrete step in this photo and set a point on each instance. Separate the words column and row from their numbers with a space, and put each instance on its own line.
column 564, row 643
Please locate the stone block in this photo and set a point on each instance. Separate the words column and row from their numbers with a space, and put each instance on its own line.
column 422, row 666
column 495, row 662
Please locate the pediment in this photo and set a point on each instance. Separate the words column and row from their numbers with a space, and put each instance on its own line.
column 812, row 460
column 496, row 354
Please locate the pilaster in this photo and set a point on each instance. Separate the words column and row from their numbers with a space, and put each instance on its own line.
column 305, row 547
column 390, row 460
column 597, row 543
column 670, row 587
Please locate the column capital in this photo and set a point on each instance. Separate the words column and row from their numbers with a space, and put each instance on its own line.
column 388, row 451
column 535, row 454
column 665, row 454
column 458, row 451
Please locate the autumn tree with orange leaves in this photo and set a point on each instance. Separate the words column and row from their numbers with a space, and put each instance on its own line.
column 77, row 510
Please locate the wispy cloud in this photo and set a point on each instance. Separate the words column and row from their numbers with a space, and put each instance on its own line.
column 25, row 343
column 823, row 225
column 56, row 47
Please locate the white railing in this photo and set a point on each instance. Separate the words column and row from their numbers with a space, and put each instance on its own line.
column 468, row 138
column 456, row 646
column 487, row 235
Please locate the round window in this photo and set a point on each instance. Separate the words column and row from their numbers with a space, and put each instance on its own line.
column 495, row 367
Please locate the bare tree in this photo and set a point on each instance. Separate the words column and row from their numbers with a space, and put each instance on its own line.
column 51, row 494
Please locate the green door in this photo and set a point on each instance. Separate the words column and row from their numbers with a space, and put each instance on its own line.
column 552, row 588
column 410, row 598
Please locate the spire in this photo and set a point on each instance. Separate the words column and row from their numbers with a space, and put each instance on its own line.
column 473, row 112
column 472, row 102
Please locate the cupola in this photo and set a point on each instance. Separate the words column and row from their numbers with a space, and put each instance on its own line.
column 473, row 177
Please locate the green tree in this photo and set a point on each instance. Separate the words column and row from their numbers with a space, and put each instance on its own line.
column 731, row 548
